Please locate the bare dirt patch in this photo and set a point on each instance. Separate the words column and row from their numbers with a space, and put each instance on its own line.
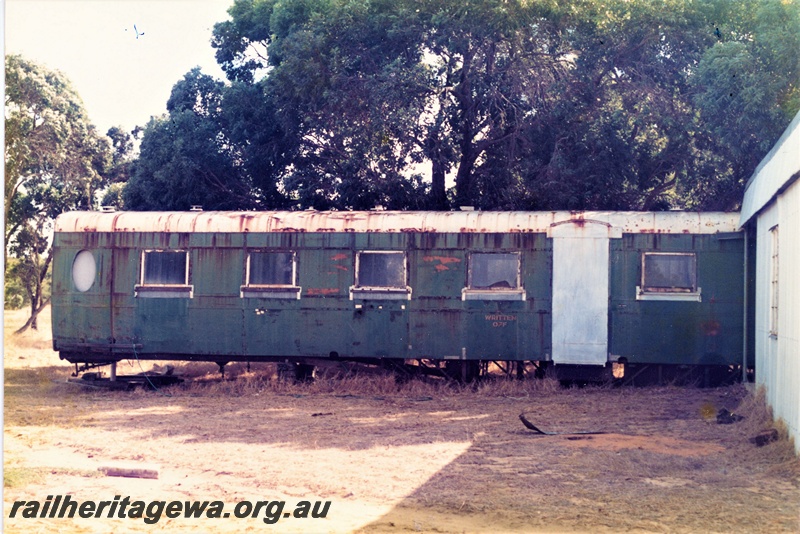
column 411, row 458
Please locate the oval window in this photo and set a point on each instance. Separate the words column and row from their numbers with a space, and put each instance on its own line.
column 84, row 270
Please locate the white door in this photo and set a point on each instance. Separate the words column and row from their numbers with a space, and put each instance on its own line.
column 580, row 292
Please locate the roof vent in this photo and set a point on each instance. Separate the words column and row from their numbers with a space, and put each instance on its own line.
column 196, row 208
column 108, row 209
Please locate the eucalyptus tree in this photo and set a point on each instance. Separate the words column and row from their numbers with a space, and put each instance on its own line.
column 373, row 89
column 55, row 161
column 325, row 80
column 746, row 89
column 619, row 134
column 185, row 157
column 604, row 104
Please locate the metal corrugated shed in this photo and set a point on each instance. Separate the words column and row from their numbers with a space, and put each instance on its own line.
column 772, row 201
column 777, row 364
column 776, row 171
column 671, row 222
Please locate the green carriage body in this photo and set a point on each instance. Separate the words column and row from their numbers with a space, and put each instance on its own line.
column 434, row 308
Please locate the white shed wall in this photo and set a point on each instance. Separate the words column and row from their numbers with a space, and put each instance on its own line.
column 778, row 357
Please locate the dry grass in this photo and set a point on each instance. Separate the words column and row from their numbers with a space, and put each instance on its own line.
column 758, row 417
column 241, row 379
column 19, row 477
column 424, row 455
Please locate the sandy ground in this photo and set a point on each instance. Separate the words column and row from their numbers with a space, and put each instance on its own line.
column 389, row 459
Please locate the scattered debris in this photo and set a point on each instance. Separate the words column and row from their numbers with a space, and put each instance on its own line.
column 724, row 417
column 764, row 437
column 707, row 411
column 153, row 379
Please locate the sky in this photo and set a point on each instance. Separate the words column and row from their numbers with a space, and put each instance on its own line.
column 123, row 75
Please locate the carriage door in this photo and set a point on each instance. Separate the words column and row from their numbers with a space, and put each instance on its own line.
column 580, row 291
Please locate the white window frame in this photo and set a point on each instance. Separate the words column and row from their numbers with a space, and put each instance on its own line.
column 774, row 291
column 500, row 293
column 693, row 294
column 273, row 291
column 150, row 290
column 380, row 292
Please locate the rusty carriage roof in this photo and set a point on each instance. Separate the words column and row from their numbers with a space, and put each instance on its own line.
column 671, row 222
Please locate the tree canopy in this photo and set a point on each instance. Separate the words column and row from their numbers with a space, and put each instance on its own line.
column 499, row 104
column 54, row 161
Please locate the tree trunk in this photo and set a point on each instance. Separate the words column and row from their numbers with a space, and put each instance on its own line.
column 438, row 200
column 465, row 186
column 32, row 319
column 35, row 293
column 34, row 324
column 465, row 194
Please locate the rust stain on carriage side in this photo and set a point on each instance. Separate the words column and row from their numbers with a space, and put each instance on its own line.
column 442, row 262
column 710, row 328
column 387, row 222
column 244, row 222
column 442, row 259
column 322, row 291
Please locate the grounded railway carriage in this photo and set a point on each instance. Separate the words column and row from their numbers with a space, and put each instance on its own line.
column 577, row 290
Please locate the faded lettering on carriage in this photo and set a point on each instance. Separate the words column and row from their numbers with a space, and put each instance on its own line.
column 500, row 320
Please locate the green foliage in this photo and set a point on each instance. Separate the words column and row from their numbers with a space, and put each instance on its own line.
column 747, row 89
column 54, row 156
column 15, row 295
column 113, row 196
column 54, row 161
column 122, row 145
column 592, row 104
column 22, row 281
column 185, row 158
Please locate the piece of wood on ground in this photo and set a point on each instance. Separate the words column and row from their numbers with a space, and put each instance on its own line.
column 130, row 471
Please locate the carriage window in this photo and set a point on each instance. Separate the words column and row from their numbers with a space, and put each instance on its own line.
column 494, row 271
column 381, row 269
column 84, row 269
column 271, row 274
column 270, row 269
column 669, row 276
column 494, row 276
column 164, row 274
column 381, row 274
column 162, row 267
